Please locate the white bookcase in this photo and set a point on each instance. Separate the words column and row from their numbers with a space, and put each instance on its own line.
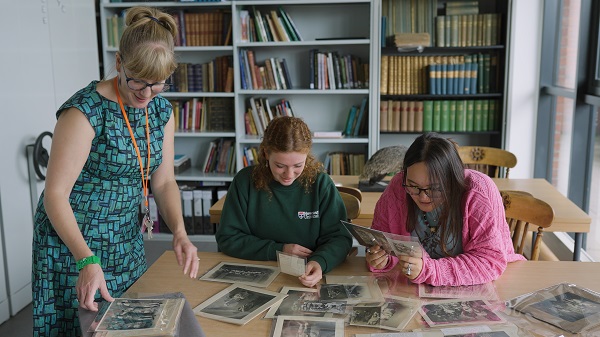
column 346, row 26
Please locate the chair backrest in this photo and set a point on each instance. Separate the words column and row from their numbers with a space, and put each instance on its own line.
column 490, row 160
column 351, row 190
column 352, row 204
column 523, row 209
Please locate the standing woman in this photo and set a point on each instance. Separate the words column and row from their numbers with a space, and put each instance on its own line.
column 285, row 203
column 456, row 213
column 109, row 138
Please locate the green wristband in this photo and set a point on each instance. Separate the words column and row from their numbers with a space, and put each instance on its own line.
column 87, row 260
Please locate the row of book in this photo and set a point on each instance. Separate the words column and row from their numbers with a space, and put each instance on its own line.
column 260, row 113
column 344, row 163
column 213, row 76
column 250, row 156
column 204, row 114
column 408, row 16
column 273, row 75
column 440, row 116
column 412, row 75
column 357, row 120
column 210, row 28
column 272, row 26
column 220, row 157
column 195, row 202
column 468, row 30
column 330, row 70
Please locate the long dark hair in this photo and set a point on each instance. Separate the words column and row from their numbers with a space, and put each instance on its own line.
column 446, row 170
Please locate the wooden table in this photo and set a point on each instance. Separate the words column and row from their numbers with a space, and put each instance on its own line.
column 568, row 217
column 519, row 278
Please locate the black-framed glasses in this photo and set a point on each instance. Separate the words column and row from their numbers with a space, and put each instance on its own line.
column 416, row 191
column 139, row 85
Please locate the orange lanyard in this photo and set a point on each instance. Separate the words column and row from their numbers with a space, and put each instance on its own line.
column 137, row 151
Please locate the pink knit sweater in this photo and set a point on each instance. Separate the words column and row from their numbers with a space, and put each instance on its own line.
column 487, row 246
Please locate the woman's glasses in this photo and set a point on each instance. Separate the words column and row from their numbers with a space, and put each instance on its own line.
column 139, row 85
column 416, row 191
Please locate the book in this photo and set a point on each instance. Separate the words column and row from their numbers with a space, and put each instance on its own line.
column 350, row 120
column 361, row 117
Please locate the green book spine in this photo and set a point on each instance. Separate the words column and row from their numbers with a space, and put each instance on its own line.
column 461, row 116
column 480, row 76
column 470, row 126
column 477, row 116
column 437, row 115
column 493, row 116
column 452, row 116
column 485, row 114
column 487, row 66
column 445, row 116
column 427, row 115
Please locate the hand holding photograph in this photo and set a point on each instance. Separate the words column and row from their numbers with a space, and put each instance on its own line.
column 136, row 317
column 291, row 264
column 567, row 306
column 393, row 244
column 250, row 274
column 238, row 304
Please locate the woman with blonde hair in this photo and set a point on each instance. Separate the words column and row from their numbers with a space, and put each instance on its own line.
column 285, row 203
column 109, row 138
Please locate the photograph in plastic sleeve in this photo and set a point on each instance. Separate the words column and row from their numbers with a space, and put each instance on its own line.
column 353, row 289
column 249, row 274
column 286, row 326
column 567, row 306
column 292, row 304
column 333, row 307
column 238, row 304
column 466, row 331
column 135, row 317
column 486, row 291
column 392, row 243
column 455, row 312
column 291, row 264
column 393, row 314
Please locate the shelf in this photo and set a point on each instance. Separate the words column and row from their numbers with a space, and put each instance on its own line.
column 440, row 50
column 197, row 134
column 332, row 42
column 436, row 97
column 186, row 49
column 305, row 92
column 195, row 174
column 170, row 4
column 473, row 133
column 196, row 94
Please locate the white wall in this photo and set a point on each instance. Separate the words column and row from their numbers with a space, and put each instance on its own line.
column 49, row 51
column 523, row 83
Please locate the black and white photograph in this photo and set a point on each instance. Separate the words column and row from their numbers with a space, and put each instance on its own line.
column 485, row 291
column 393, row 314
column 352, row 289
column 464, row 312
column 238, row 304
column 365, row 314
column 249, row 274
column 291, row 305
column 393, row 244
column 291, row 264
column 134, row 317
column 333, row 307
column 567, row 306
column 286, row 326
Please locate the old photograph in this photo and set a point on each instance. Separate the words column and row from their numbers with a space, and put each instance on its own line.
column 238, row 303
column 393, row 314
column 353, row 289
column 291, row 305
column 249, row 274
column 485, row 291
column 286, row 326
column 452, row 312
column 334, row 307
column 393, row 244
column 567, row 306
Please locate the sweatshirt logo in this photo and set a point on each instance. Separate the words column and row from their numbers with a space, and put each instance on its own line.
column 308, row 215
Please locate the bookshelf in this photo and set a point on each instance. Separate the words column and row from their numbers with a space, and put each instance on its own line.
column 467, row 35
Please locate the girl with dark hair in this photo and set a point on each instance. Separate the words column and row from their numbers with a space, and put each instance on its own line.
column 456, row 213
column 285, row 203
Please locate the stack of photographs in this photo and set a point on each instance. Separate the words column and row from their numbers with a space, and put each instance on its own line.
column 238, row 304
column 566, row 306
column 393, row 244
column 459, row 312
column 250, row 274
column 138, row 317
column 286, row 326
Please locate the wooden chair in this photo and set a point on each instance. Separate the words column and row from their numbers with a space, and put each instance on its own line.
column 351, row 190
column 490, row 160
column 352, row 203
column 523, row 209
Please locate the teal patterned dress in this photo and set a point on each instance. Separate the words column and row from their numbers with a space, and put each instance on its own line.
column 106, row 200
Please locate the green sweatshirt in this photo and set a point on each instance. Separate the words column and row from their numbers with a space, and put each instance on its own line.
column 255, row 225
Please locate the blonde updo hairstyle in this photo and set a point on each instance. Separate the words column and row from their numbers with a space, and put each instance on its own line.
column 147, row 44
column 286, row 134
